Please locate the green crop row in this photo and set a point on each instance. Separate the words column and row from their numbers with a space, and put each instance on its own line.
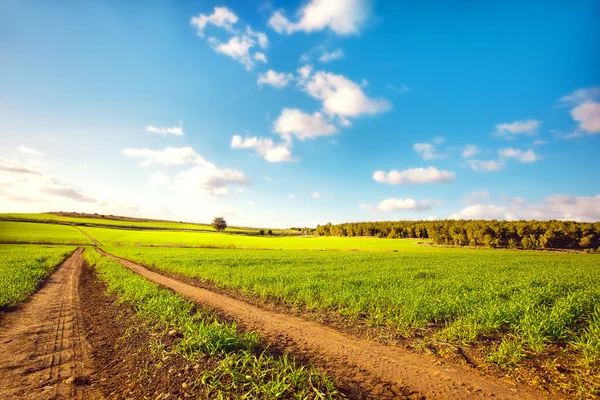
column 243, row 369
column 538, row 298
column 24, row 232
column 23, row 267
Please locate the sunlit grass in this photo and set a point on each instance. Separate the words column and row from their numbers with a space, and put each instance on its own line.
column 31, row 232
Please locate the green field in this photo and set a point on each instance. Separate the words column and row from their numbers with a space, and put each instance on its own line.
column 242, row 370
column 197, row 239
column 30, row 232
column 117, row 222
column 23, row 267
column 537, row 298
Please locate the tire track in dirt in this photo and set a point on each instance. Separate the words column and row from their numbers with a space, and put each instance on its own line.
column 43, row 352
column 92, row 239
column 343, row 356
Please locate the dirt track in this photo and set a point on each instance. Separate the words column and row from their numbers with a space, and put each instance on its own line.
column 342, row 355
column 43, row 351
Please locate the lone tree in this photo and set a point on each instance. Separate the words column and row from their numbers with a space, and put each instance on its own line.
column 219, row 224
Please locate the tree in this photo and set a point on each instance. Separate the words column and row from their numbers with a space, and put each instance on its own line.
column 219, row 224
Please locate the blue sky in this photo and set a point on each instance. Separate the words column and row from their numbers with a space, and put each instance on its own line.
column 294, row 113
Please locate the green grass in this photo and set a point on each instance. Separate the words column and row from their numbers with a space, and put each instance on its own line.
column 30, row 232
column 538, row 298
column 197, row 239
column 23, row 267
column 243, row 370
column 117, row 222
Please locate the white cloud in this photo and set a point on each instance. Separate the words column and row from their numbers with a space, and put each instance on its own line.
column 470, row 151
column 485, row 166
column 560, row 207
column 429, row 151
column 168, row 156
column 341, row 96
column 477, row 197
column 209, row 179
column 294, row 122
column 343, row 17
column 393, row 205
column 291, row 196
column 221, row 17
column 275, row 79
column 258, row 56
column 175, row 130
column 582, row 95
column 263, row 40
column 238, row 48
column 305, row 71
column 327, row 57
column 29, row 151
column 315, row 195
column 264, row 147
column 414, row 176
column 523, row 156
column 527, row 127
column 588, row 116
column 21, row 187
column 159, row 179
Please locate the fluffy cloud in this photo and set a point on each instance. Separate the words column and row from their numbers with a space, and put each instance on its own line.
column 11, row 166
column 29, row 151
column 414, row 176
column 221, row 17
column 263, row 40
column 258, row 56
column 560, row 207
column 175, row 130
column 428, row 150
column 294, row 122
column 315, row 195
column 523, row 156
column 20, row 184
column 469, row 151
column 275, row 79
column 168, row 156
column 209, row 179
column 393, row 205
column 264, row 147
column 341, row 96
column 582, row 95
column 527, row 127
column 588, row 116
column 343, row 17
column 238, row 48
column 477, row 197
column 327, row 57
column 485, row 166
column 159, row 179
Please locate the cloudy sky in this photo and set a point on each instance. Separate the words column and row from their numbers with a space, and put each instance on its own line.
column 294, row 113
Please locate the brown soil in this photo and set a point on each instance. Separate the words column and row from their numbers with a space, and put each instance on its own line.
column 132, row 358
column 43, row 351
column 351, row 359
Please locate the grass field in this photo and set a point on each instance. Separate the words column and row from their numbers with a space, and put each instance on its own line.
column 117, row 222
column 23, row 267
column 197, row 239
column 243, row 370
column 469, row 293
column 29, row 232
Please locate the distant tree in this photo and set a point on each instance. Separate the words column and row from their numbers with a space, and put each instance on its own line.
column 261, row 232
column 219, row 224
column 270, row 232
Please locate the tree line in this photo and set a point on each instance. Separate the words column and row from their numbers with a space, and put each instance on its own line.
column 479, row 233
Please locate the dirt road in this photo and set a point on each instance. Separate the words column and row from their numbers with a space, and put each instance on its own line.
column 43, row 351
column 342, row 355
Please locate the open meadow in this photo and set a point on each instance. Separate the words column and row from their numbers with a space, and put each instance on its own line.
column 531, row 315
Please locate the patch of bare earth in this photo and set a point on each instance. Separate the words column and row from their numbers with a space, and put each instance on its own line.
column 353, row 360
column 43, row 350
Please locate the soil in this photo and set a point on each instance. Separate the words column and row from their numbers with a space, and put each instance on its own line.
column 351, row 360
column 43, row 351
